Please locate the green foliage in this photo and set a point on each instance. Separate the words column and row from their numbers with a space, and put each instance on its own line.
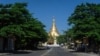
column 16, row 20
column 61, row 39
column 85, row 21
column 11, row 29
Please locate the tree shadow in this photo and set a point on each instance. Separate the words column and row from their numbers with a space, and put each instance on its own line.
column 74, row 51
column 41, row 48
column 24, row 51
column 16, row 52
column 21, row 52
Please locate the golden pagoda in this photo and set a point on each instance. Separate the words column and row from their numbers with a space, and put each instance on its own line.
column 53, row 34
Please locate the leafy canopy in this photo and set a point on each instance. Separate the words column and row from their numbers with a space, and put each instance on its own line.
column 85, row 21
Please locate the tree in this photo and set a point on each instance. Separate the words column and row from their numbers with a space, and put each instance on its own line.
column 61, row 39
column 35, row 33
column 15, row 20
column 85, row 21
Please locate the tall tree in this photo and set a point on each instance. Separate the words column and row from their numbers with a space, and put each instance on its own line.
column 85, row 21
column 17, row 21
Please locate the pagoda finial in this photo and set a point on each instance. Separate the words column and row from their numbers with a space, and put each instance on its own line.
column 53, row 18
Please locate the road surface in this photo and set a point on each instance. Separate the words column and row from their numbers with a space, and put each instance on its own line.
column 57, row 51
column 53, row 51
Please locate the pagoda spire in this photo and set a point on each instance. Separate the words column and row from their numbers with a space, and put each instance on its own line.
column 53, row 33
column 54, row 28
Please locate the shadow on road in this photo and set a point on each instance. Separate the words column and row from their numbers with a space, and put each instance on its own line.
column 73, row 51
column 24, row 51
column 17, row 52
column 21, row 52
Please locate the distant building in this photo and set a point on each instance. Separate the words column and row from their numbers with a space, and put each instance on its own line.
column 53, row 34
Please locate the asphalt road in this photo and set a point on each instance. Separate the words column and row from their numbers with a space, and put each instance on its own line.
column 57, row 51
column 53, row 51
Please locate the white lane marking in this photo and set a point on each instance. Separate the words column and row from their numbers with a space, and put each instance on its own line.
column 47, row 52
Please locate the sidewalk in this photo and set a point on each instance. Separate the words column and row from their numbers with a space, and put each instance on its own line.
column 86, row 54
column 2, row 54
column 81, row 53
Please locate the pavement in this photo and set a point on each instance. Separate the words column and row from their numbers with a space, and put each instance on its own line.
column 57, row 51
column 2, row 54
column 53, row 51
column 36, row 52
column 81, row 53
column 86, row 54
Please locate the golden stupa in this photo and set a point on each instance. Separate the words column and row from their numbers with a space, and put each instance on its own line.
column 53, row 34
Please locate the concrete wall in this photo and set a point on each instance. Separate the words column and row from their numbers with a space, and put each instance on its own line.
column 10, row 44
column 1, row 44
